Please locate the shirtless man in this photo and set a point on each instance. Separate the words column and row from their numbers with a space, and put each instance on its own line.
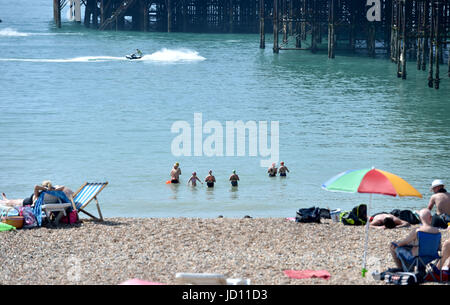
column 234, row 178
column 210, row 179
column 408, row 247
column 193, row 180
column 272, row 170
column 441, row 199
column 282, row 170
column 175, row 173
column 388, row 221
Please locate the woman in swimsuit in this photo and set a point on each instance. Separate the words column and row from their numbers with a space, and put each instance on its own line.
column 193, row 179
column 234, row 179
column 210, row 179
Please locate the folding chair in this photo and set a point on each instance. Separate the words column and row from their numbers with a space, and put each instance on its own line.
column 85, row 194
column 429, row 244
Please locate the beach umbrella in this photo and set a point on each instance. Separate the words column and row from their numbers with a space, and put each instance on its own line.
column 371, row 181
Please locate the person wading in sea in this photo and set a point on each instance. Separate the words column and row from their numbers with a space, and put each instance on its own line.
column 193, row 180
column 210, row 179
column 175, row 173
column 234, row 178
column 282, row 170
column 272, row 170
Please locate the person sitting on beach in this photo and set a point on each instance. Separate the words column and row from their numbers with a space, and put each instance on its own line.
column 441, row 271
column 408, row 247
column 387, row 221
column 45, row 186
column 234, row 178
column 175, row 173
column 272, row 170
column 283, row 169
column 440, row 199
column 193, row 180
column 210, row 179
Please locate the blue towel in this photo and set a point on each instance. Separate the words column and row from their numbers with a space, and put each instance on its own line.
column 37, row 210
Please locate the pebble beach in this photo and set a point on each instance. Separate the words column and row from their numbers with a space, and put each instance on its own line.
column 155, row 249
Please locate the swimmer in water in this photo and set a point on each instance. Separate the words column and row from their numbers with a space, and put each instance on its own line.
column 210, row 179
column 175, row 173
column 234, row 178
column 282, row 170
column 272, row 170
column 193, row 180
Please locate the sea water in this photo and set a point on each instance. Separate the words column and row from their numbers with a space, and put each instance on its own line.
column 73, row 109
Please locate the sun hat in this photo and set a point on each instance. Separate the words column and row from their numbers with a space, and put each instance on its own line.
column 437, row 182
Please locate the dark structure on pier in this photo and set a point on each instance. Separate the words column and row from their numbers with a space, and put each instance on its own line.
column 416, row 30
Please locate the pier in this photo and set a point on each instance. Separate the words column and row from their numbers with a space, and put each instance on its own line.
column 403, row 30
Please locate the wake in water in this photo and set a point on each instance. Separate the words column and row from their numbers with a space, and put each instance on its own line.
column 9, row 32
column 164, row 55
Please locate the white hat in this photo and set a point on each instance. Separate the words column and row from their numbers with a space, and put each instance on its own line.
column 437, row 182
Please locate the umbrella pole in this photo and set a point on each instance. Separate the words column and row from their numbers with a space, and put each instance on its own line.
column 366, row 239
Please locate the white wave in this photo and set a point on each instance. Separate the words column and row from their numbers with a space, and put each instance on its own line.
column 9, row 32
column 75, row 59
column 165, row 55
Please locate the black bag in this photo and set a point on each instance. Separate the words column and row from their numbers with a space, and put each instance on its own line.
column 438, row 222
column 356, row 217
column 406, row 215
column 325, row 213
column 308, row 215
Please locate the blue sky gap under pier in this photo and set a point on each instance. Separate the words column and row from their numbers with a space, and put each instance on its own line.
column 404, row 30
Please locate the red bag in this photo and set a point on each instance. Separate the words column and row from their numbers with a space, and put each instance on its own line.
column 72, row 217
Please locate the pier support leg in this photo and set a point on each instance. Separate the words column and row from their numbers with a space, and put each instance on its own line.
column 437, row 45
column 371, row 40
column 298, row 35
column 430, row 54
column 231, row 16
column 169, row 16
column 57, row 13
column 262, row 34
column 276, row 47
column 145, row 11
column 331, row 34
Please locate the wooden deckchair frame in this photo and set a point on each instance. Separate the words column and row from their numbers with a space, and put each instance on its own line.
column 81, row 209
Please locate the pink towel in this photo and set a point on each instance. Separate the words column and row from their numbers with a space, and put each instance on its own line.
column 139, row 282
column 305, row 274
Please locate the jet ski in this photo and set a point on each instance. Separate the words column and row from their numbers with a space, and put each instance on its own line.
column 133, row 56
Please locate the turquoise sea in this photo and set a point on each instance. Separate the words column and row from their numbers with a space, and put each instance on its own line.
column 72, row 109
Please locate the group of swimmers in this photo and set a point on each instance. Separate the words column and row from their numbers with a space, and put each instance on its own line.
column 210, row 179
column 273, row 170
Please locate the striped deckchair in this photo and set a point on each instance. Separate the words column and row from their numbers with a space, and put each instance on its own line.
column 84, row 196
